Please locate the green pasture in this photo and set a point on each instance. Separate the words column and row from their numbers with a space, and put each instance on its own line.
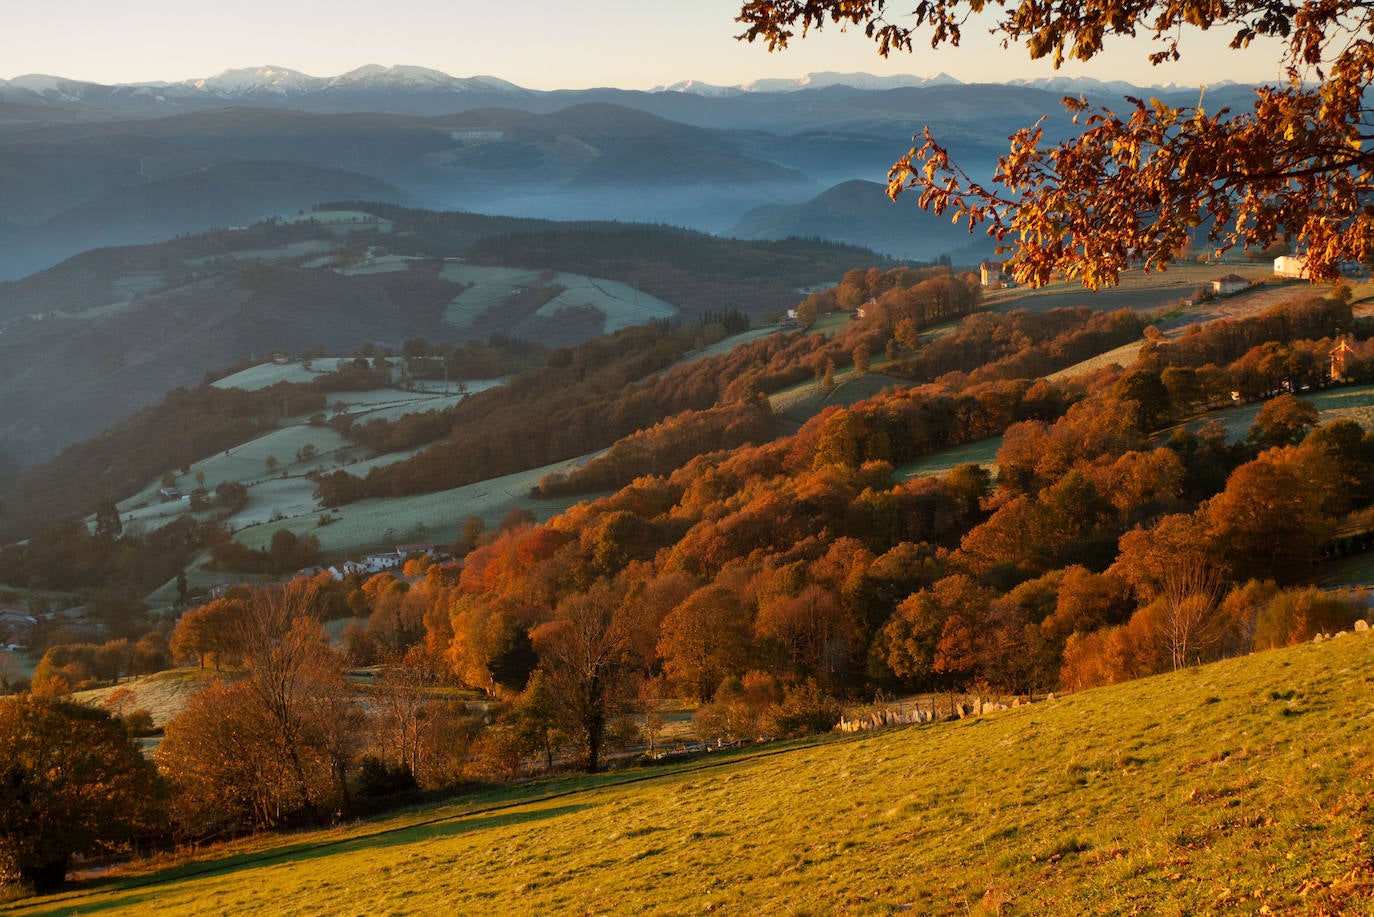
column 1240, row 787
column 805, row 400
column 980, row 452
column 1355, row 404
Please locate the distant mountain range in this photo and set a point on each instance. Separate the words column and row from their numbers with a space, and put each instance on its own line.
column 418, row 89
column 84, row 164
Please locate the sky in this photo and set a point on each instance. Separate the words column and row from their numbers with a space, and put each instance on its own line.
column 539, row 44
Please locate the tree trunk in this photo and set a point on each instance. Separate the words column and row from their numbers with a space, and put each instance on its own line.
column 46, row 877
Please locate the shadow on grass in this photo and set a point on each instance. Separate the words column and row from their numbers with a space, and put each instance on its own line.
column 101, row 895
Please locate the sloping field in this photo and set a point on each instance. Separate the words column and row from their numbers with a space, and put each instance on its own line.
column 1137, row 290
column 981, row 452
column 1242, row 305
column 622, row 304
column 805, row 400
column 265, row 374
column 1355, row 404
column 1242, row 787
column 721, row 348
column 436, row 517
column 162, row 695
column 1125, row 356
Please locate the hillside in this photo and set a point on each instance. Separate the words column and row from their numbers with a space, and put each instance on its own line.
column 1237, row 787
column 89, row 341
column 861, row 213
column 224, row 194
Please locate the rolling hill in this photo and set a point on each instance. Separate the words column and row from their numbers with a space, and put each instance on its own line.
column 224, row 194
column 861, row 213
column 88, row 342
column 1237, row 787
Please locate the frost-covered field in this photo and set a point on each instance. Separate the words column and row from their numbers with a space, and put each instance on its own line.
column 621, row 303
column 436, row 517
column 980, row 452
column 382, row 264
column 265, row 374
column 280, row 488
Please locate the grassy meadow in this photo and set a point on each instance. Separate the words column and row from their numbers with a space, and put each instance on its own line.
column 980, row 452
column 1136, row 290
column 805, row 400
column 1241, row 787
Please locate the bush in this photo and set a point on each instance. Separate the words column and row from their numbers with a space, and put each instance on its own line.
column 805, row 709
column 380, row 778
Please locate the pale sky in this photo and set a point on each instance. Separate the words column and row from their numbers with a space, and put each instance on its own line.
column 540, row 44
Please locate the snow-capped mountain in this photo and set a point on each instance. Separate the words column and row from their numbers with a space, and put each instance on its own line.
column 415, row 90
column 278, row 80
column 866, row 81
column 698, row 88
column 863, row 81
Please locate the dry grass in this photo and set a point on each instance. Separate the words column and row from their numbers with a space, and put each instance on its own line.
column 163, row 695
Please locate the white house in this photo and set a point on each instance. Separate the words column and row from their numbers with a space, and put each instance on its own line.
column 1291, row 266
column 1231, row 283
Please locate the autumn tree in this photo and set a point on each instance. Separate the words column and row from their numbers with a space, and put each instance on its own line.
column 72, row 781
column 1272, row 518
column 277, row 744
column 1283, row 421
column 930, row 631
column 204, row 633
column 1175, row 570
column 585, row 651
column 704, row 639
column 1133, row 186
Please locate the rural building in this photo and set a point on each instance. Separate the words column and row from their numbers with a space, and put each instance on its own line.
column 1340, row 357
column 168, row 494
column 1290, row 266
column 376, row 563
column 16, row 625
column 994, row 275
column 1231, row 283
